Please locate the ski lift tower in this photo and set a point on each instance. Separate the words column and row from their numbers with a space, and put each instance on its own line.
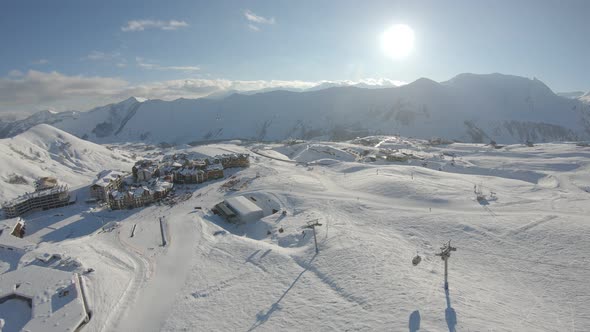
column 445, row 254
column 313, row 224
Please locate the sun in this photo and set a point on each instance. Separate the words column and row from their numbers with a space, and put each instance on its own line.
column 397, row 42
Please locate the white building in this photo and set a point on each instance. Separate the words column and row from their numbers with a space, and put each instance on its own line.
column 242, row 208
column 105, row 182
column 55, row 298
column 9, row 241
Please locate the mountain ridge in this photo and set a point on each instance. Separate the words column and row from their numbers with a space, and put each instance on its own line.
column 468, row 107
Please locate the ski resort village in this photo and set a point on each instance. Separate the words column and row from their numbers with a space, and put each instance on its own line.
column 379, row 233
column 288, row 166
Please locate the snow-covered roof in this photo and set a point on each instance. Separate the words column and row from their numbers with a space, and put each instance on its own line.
column 140, row 191
column 242, row 205
column 214, row 167
column 117, row 195
column 11, row 241
column 190, row 171
column 232, row 156
column 105, row 177
column 162, row 186
column 56, row 297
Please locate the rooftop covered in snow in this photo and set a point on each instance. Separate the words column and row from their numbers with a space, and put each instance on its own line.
column 105, row 177
column 55, row 297
column 244, row 208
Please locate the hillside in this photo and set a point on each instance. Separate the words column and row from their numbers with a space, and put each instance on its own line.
column 468, row 108
column 521, row 261
column 46, row 151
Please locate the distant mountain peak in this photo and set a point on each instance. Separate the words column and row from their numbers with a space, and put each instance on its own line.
column 424, row 82
column 133, row 99
column 469, row 107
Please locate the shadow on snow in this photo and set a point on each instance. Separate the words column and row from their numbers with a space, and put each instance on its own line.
column 450, row 315
column 262, row 317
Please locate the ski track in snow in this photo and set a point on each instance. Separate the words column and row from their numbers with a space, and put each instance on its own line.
column 141, row 273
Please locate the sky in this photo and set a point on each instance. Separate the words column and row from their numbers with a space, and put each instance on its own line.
column 74, row 55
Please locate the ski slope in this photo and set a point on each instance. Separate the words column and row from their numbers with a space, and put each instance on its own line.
column 521, row 265
column 47, row 151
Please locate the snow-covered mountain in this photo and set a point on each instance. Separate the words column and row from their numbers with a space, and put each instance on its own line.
column 585, row 98
column 98, row 122
column 571, row 94
column 469, row 107
column 46, row 151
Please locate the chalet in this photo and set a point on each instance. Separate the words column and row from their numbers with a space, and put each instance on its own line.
column 189, row 175
column 106, row 181
column 147, row 173
column 214, row 171
column 144, row 170
column 198, row 163
column 161, row 189
column 135, row 197
column 234, row 160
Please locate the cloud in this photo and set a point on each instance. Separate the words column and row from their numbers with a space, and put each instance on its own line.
column 102, row 56
column 253, row 27
column 256, row 19
column 40, row 62
column 141, row 25
column 15, row 73
column 36, row 90
column 151, row 66
column 197, row 88
column 252, row 17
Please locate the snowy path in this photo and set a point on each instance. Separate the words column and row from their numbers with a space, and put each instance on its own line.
column 141, row 272
column 151, row 307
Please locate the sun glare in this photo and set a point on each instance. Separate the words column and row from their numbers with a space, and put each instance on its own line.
column 398, row 41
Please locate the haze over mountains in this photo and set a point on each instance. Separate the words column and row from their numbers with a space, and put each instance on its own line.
column 468, row 108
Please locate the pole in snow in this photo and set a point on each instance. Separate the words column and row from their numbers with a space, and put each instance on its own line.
column 313, row 224
column 445, row 254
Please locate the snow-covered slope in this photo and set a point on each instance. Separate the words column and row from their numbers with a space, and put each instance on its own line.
column 47, row 151
column 571, row 94
column 521, row 262
column 469, row 108
column 585, row 98
column 98, row 122
column 521, row 256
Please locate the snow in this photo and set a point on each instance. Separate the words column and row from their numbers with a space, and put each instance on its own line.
column 55, row 296
column 245, row 209
column 521, row 263
column 104, row 178
column 468, row 108
column 7, row 240
column 47, row 151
